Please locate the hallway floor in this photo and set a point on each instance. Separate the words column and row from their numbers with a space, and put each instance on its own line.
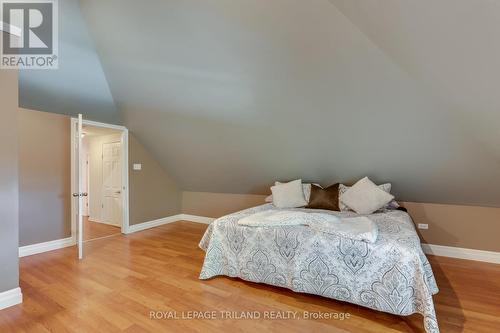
column 94, row 230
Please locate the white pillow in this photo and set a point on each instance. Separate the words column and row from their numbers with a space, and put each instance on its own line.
column 289, row 195
column 365, row 197
column 306, row 188
column 343, row 188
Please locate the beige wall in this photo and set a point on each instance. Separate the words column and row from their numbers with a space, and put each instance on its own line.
column 44, row 191
column 153, row 194
column 9, row 219
column 470, row 227
column 44, row 177
column 217, row 204
column 449, row 225
column 45, row 173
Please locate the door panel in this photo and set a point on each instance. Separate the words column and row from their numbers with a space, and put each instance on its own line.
column 112, row 183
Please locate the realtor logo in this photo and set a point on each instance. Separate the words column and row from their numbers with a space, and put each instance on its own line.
column 35, row 44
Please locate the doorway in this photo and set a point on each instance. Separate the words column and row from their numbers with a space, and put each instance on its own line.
column 99, row 169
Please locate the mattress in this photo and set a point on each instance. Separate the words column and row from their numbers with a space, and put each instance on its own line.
column 391, row 275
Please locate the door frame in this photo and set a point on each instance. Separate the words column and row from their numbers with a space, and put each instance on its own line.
column 125, row 172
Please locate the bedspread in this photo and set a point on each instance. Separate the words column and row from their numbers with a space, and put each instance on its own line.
column 391, row 275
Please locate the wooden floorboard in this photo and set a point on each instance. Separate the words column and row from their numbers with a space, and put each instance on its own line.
column 93, row 230
column 123, row 278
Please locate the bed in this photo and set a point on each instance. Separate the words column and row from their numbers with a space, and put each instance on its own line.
column 391, row 275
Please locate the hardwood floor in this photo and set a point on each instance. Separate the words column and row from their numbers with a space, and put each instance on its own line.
column 93, row 230
column 123, row 278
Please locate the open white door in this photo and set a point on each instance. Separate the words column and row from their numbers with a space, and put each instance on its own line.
column 117, row 178
column 79, row 194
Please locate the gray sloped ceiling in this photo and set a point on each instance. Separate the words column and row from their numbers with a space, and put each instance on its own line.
column 230, row 95
column 451, row 47
column 79, row 85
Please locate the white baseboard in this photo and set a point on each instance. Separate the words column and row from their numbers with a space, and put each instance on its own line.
column 197, row 219
column 461, row 253
column 438, row 250
column 29, row 250
column 152, row 224
column 10, row 297
column 70, row 241
column 169, row 219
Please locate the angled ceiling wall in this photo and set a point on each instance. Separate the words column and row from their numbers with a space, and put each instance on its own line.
column 449, row 46
column 79, row 85
column 232, row 95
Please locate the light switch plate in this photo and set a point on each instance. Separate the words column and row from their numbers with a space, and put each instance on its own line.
column 137, row 166
column 423, row 226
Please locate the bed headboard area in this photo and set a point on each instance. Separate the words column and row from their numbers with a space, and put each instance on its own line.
column 457, row 226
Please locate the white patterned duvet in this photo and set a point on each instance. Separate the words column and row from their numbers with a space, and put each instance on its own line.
column 391, row 275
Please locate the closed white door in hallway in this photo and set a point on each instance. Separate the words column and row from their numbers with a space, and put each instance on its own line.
column 112, row 183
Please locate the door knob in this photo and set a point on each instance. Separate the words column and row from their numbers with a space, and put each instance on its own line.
column 85, row 194
column 118, row 192
column 75, row 194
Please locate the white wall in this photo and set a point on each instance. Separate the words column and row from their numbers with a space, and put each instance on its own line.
column 94, row 146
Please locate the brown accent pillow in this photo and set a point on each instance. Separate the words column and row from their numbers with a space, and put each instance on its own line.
column 324, row 198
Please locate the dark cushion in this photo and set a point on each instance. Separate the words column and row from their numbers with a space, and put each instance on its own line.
column 324, row 198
